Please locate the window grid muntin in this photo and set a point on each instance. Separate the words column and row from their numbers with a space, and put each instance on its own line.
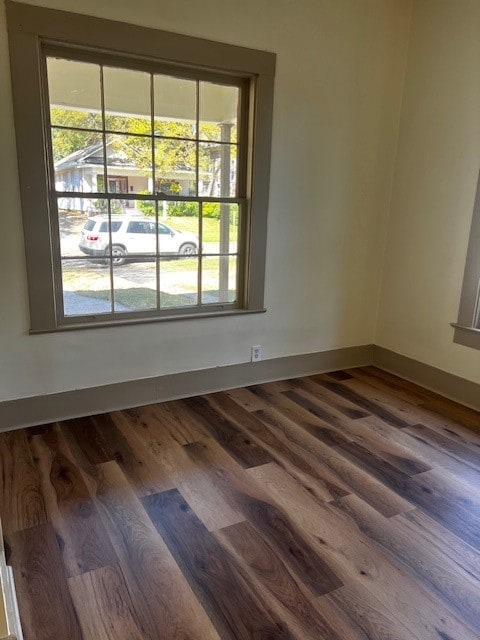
column 235, row 146
column 142, row 135
column 158, row 259
column 239, row 254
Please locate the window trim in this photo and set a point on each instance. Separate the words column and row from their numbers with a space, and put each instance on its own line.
column 467, row 327
column 32, row 27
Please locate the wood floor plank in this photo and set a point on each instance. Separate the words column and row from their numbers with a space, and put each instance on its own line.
column 391, row 448
column 427, row 413
column 389, row 384
column 245, row 452
column 437, row 573
column 164, row 602
column 172, row 458
column 144, row 471
column 210, row 572
column 282, row 451
column 88, row 438
column 339, row 375
column 358, row 562
column 129, row 455
column 364, row 458
column 46, row 608
column 369, row 615
column 272, row 574
column 21, row 505
column 461, row 414
column 353, row 430
column 348, row 391
column 309, row 400
column 429, row 455
column 297, row 429
column 458, row 450
column 328, row 398
column 339, row 506
column 84, row 543
column 451, row 507
column 376, row 466
column 178, row 422
column 104, row 608
column 269, row 521
column 420, row 525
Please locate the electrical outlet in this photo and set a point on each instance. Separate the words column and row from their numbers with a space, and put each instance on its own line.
column 256, row 353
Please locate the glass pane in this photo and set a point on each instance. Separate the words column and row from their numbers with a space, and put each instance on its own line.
column 127, row 100
column 74, row 92
column 178, row 282
column 178, row 227
column 78, row 160
column 175, row 167
column 217, row 170
column 218, row 112
column 129, row 164
column 219, row 279
column 135, row 286
column 86, row 288
column 78, row 222
column 219, row 227
column 175, row 106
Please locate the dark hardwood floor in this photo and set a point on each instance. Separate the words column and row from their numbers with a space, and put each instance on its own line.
column 343, row 506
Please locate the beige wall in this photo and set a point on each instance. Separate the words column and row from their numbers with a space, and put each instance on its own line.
column 434, row 188
column 338, row 90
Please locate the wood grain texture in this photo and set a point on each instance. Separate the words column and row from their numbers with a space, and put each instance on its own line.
column 275, row 525
column 341, row 506
column 46, row 608
column 267, row 567
column 282, row 451
column 356, row 560
column 297, row 426
column 240, row 447
column 70, row 507
column 163, row 600
column 215, row 580
column 22, row 504
column 104, row 607
column 444, row 578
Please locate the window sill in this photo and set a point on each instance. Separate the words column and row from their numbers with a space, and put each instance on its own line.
column 466, row 336
column 135, row 321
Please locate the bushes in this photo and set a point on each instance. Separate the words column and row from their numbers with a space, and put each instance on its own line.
column 187, row 209
column 147, row 207
column 101, row 206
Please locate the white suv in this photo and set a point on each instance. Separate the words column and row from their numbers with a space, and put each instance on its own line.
column 136, row 236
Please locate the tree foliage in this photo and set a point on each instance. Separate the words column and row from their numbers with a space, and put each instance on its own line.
column 175, row 151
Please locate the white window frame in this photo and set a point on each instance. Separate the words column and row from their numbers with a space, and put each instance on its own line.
column 34, row 31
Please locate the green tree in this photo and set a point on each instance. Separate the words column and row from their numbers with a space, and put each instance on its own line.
column 174, row 152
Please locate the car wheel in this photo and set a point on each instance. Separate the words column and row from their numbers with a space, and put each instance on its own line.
column 187, row 249
column 118, row 255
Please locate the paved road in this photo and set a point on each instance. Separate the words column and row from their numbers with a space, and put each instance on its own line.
column 76, row 305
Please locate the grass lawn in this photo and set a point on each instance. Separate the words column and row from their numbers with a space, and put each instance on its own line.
column 211, row 227
column 177, row 290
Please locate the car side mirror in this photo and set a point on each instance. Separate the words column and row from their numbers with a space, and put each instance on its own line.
column 172, row 233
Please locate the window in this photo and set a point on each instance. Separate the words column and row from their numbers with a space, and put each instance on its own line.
column 144, row 165
column 467, row 328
